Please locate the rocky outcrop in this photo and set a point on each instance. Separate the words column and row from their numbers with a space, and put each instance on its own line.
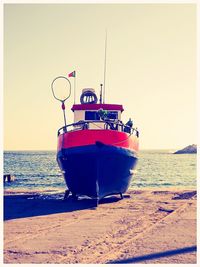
column 192, row 149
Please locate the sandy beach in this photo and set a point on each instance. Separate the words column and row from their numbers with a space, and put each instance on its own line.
column 146, row 226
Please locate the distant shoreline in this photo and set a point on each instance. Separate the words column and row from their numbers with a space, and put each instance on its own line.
column 54, row 150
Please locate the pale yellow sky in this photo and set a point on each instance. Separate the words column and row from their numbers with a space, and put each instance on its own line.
column 151, row 68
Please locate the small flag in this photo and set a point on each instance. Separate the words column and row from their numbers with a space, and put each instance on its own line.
column 72, row 74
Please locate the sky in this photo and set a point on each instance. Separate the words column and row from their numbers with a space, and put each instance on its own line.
column 150, row 69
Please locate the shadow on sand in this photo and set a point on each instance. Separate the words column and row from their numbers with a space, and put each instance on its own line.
column 22, row 206
column 152, row 256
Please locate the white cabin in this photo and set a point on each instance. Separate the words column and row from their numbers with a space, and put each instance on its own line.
column 88, row 110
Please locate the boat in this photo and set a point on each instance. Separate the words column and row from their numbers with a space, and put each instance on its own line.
column 97, row 153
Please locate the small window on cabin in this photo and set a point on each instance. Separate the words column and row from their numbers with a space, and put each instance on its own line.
column 92, row 115
column 113, row 115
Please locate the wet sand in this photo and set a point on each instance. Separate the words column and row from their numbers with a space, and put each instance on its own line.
column 147, row 226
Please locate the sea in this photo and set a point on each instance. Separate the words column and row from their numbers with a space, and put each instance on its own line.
column 38, row 170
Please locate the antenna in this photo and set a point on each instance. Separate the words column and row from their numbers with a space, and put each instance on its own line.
column 104, row 88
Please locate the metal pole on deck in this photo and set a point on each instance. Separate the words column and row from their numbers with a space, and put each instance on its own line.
column 100, row 100
column 75, row 89
column 63, row 108
column 105, row 68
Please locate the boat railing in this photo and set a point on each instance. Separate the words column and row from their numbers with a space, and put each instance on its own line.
column 104, row 125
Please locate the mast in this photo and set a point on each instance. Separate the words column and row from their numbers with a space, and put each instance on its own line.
column 100, row 100
column 104, row 88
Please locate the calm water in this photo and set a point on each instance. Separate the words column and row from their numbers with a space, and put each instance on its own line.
column 39, row 170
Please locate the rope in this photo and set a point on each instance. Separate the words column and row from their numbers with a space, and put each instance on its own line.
column 97, row 125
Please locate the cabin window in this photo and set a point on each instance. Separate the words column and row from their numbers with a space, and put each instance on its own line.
column 113, row 115
column 92, row 115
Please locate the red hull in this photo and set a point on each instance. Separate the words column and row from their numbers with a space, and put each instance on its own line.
column 90, row 137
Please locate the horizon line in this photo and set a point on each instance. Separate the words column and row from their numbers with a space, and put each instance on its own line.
column 7, row 150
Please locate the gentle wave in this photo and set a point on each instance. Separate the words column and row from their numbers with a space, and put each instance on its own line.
column 155, row 168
